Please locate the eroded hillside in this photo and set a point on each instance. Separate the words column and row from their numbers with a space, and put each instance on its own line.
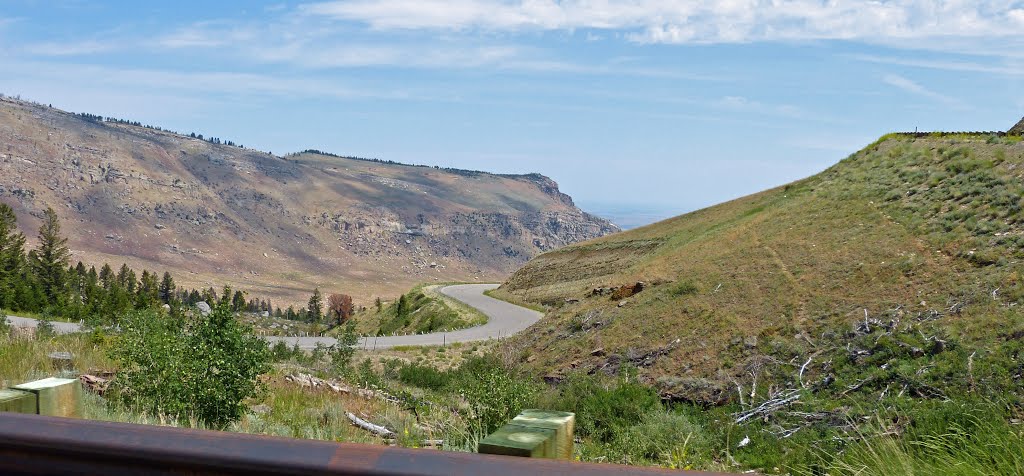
column 216, row 214
column 876, row 266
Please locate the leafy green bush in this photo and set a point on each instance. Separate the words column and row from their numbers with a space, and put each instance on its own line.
column 5, row 327
column 661, row 437
column 604, row 410
column 342, row 352
column 424, row 376
column 495, row 395
column 44, row 329
column 203, row 368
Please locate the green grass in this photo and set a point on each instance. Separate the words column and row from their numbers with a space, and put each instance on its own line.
column 23, row 360
column 513, row 299
column 428, row 310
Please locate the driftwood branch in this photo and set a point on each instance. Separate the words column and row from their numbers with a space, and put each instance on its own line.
column 739, row 390
column 307, row 380
column 803, row 367
column 370, row 427
column 770, row 406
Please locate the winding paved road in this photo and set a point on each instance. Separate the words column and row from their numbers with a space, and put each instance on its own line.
column 58, row 327
column 503, row 319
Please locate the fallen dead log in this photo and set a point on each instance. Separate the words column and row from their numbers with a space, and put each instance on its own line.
column 370, row 427
column 308, row 381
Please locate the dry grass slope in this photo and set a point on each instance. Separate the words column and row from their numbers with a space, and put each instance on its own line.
column 906, row 227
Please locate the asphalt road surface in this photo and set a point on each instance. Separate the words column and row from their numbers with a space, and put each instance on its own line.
column 503, row 320
column 58, row 327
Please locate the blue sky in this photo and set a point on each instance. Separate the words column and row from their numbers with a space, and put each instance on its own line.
column 663, row 105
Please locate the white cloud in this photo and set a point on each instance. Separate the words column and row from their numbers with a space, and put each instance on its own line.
column 317, row 48
column 74, row 48
column 1008, row 69
column 224, row 84
column 913, row 87
column 208, row 35
column 694, row 21
column 746, row 105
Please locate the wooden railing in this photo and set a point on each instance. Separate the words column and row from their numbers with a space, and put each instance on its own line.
column 34, row 444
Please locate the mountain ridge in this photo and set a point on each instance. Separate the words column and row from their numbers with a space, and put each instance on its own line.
column 215, row 213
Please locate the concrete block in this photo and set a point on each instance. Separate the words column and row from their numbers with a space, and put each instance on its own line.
column 518, row 440
column 59, row 397
column 18, row 401
column 563, row 423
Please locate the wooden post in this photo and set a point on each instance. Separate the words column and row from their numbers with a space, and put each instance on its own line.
column 59, row 397
column 18, row 401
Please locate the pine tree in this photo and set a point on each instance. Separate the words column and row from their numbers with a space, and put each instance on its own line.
column 403, row 306
column 126, row 277
column 315, row 307
column 167, row 288
column 238, row 301
column 92, row 292
column 149, row 291
column 50, row 261
column 210, row 296
column 107, row 276
column 12, row 256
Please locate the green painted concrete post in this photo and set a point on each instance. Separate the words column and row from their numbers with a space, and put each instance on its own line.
column 534, row 434
column 18, row 401
column 519, row 440
column 564, row 424
column 56, row 396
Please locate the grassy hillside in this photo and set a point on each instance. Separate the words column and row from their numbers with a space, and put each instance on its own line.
column 911, row 232
column 422, row 310
column 866, row 320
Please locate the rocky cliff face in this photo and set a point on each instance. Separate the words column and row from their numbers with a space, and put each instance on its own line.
column 278, row 226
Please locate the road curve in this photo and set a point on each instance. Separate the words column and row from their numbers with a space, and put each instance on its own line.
column 503, row 319
column 58, row 327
